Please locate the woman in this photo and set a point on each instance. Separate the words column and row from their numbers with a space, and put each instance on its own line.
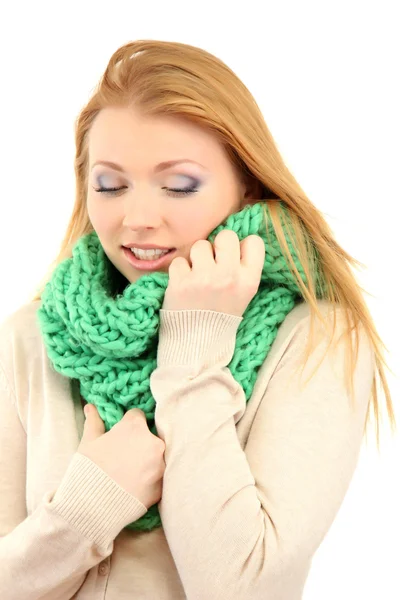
column 203, row 313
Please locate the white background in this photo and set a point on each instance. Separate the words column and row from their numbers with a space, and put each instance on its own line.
column 326, row 77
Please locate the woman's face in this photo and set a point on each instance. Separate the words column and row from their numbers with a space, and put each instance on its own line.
column 145, row 211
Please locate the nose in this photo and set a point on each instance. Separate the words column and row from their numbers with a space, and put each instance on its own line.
column 141, row 212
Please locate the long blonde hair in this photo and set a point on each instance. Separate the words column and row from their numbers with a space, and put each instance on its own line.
column 170, row 78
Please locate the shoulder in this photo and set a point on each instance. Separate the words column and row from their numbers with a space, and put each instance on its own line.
column 296, row 325
column 27, row 372
column 298, row 322
column 287, row 350
column 20, row 340
column 21, row 325
column 300, row 315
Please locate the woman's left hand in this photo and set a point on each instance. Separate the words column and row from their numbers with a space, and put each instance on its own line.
column 226, row 283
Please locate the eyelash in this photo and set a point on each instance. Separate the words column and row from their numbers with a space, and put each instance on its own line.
column 176, row 192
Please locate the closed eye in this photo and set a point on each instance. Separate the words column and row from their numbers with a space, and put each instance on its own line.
column 177, row 192
column 181, row 191
column 111, row 191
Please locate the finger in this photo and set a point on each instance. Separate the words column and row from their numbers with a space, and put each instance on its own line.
column 135, row 414
column 93, row 426
column 179, row 268
column 253, row 254
column 227, row 250
column 133, row 418
column 202, row 255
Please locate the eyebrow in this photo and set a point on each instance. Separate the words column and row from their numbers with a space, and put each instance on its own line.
column 160, row 167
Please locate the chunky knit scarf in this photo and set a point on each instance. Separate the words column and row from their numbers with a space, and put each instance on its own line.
column 109, row 342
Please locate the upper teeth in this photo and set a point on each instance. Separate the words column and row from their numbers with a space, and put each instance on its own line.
column 148, row 253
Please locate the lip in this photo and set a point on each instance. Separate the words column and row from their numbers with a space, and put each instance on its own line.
column 146, row 246
column 147, row 265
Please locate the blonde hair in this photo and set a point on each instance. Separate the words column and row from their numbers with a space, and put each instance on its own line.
column 170, row 78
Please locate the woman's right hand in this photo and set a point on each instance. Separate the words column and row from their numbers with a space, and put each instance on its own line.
column 129, row 453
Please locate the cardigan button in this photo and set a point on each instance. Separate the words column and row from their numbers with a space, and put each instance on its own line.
column 103, row 568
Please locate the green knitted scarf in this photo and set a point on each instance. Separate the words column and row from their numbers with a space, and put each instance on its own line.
column 109, row 341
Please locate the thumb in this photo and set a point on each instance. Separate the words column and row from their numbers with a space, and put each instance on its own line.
column 94, row 426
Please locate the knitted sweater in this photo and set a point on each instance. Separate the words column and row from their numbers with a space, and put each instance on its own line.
column 249, row 491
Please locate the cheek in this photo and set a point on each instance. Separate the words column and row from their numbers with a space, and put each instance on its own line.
column 192, row 224
column 203, row 218
column 101, row 218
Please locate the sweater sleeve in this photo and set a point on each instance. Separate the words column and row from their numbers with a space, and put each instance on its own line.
column 246, row 523
column 46, row 555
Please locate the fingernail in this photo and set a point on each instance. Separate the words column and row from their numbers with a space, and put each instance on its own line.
column 86, row 409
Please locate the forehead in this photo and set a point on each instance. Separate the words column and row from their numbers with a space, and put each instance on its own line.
column 119, row 133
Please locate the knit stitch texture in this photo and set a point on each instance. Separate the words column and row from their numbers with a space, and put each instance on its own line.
column 109, row 343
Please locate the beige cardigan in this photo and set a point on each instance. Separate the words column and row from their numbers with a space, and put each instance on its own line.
column 249, row 491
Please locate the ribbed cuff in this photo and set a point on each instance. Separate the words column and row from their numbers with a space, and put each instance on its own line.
column 93, row 502
column 196, row 337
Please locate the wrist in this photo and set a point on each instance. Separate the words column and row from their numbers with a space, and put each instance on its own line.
column 199, row 338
